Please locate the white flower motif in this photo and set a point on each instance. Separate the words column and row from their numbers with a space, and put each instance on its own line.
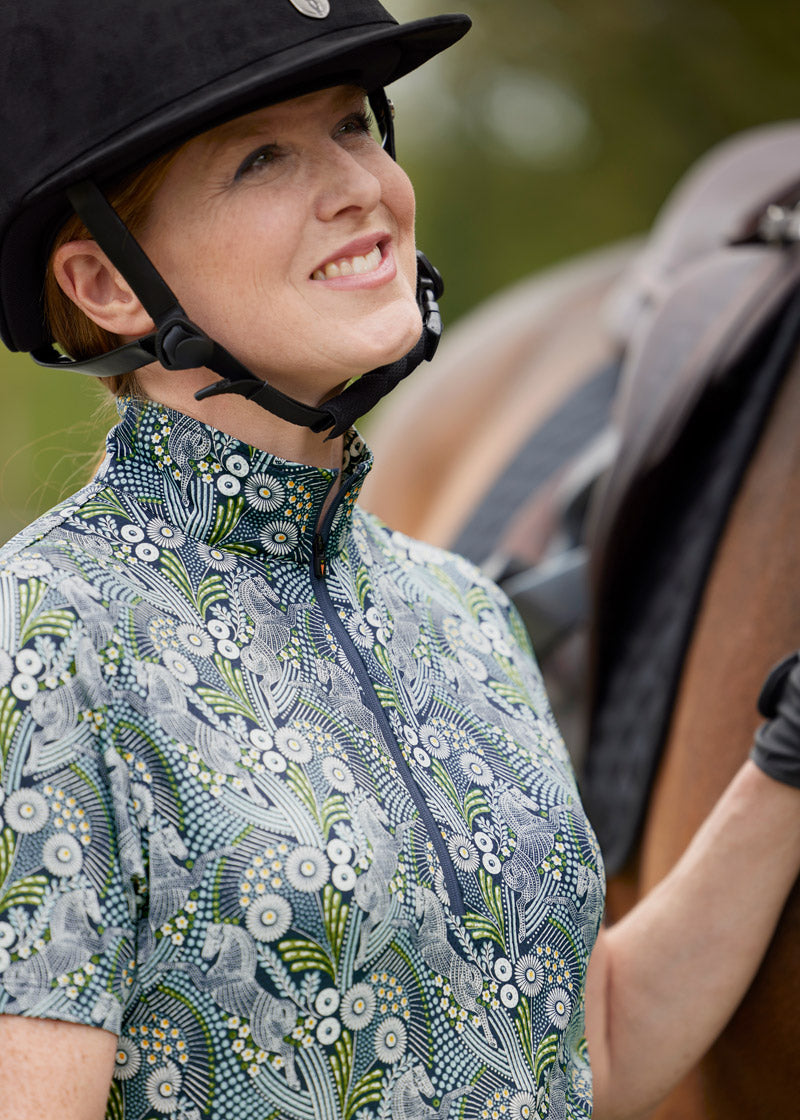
column 358, row 1007
column 6, row 668
column 7, row 935
column 132, row 534
column 163, row 1087
column 218, row 629
column 274, row 762
column 5, row 959
column 261, row 739
column 464, row 853
column 503, row 969
column 328, row 1031
column 238, row 465
column 558, row 1006
column 433, row 741
column 307, row 869
column 422, row 757
column 228, row 649
column 128, row 1060
column 269, row 917
column 24, row 686
column 26, row 811
column 164, row 535
column 338, row 852
column 390, row 1040
column 229, row 485
column 194, row 639
column 338, row 774
column 509, row 996
column 476, row 769
column 484, row 841
column 147, row 552
column 491, row 863
column 265, row 493
column 293, row 744
column 62, row 854
column 279, row 537
column 180, row 666
column 343, row 877
column 529, row 974
column 359, row 630
column 523, row 1106
column 473, row 664
column 143, row 803
column 327, row 1002
column 217, row 558
column 28, row 661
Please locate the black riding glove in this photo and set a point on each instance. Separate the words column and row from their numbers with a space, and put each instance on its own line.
column 777, row 744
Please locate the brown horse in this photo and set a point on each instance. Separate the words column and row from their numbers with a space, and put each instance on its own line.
column 452, row 439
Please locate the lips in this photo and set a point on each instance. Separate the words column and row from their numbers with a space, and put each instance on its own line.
column 350, row 266
column 355, row 259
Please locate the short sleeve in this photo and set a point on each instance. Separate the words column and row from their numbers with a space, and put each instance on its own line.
column 67, row 910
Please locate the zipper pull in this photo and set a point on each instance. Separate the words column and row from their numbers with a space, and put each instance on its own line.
column 320, row 565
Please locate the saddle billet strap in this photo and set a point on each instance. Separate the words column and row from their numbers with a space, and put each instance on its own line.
column 710, row 366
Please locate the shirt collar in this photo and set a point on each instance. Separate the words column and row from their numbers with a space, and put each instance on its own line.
column 224, row 492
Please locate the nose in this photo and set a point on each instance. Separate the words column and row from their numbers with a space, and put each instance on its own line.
column 348, row 181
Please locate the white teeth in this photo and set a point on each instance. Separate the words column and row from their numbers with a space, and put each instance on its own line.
column 350, row 266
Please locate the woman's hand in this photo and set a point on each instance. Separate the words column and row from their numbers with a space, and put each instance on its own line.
column 663, row 982
column 50, row 1069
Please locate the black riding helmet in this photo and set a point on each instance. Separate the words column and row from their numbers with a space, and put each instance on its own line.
column 91, row 91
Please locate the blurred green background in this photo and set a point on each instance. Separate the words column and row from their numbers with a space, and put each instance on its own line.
column 557, row 126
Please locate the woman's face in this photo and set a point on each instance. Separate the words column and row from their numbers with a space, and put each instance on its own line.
column 288, row 236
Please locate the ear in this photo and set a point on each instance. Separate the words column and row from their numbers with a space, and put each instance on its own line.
column 85, row 274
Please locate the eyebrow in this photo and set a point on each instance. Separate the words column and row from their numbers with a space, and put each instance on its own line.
column 251, row 127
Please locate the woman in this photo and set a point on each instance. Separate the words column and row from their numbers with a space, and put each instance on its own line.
column 288, row 828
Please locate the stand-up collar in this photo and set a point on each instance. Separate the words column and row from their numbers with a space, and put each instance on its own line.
column 222, row 491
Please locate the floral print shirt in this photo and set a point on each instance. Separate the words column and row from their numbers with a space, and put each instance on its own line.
column 283, row 805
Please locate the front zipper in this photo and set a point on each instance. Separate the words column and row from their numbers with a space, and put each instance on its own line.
column 318, row 573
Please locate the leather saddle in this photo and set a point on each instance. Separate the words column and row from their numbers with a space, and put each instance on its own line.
column 708, row 323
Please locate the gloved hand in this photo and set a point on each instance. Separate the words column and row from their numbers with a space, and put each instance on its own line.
column 776, row 750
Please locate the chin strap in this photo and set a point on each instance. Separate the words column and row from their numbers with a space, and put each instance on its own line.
column 178, row 343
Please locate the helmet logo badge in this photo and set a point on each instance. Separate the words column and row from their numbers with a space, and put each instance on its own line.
column 317, row 9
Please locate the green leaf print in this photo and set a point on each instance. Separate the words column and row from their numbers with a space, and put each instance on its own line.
column 342, row 1065
column 335, row 916
column 228, row 514
column 31, row 594
column 57, row 623
column 105, row 505
column 301, row 787
column 211, row 590
column 7, row 845
column 475, row 805
column 546, row 1052
column 25, row 892
column 333, row 809
column 368, row 1090
column 445, row 782
column 175, row 571
column 492, row 896
column 115, row 1106
column 302, row 955
column 483, row 928
column 524, row 1027
column 10, row 716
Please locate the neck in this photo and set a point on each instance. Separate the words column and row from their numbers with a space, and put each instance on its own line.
column 240, row 418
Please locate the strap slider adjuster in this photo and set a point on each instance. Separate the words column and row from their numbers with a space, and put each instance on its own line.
column 182, row 345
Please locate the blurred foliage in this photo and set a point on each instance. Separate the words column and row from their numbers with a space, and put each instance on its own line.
column 555, row 127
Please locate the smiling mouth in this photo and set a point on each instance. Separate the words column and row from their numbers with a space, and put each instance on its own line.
column 350, row 266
